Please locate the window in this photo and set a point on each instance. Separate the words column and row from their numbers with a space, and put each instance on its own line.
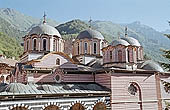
column 110, row 55
column 132, row 89
column 78, row 48
column 27, row 45
column 54, row 45
column 44, row 44
column 120, row 56
column 85, row 47
column 95, row 47
column 128, row 54
column 57, row 61
column 34, row 44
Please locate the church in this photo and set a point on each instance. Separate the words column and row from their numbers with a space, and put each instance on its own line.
column 94, row 75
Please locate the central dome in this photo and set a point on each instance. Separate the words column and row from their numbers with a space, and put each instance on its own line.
column 44, row 29
column 131, row 41
column 89, row 34
column 119, row 42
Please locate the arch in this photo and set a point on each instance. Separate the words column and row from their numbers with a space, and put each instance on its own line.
column 95, row 47
column 8, row 78
column 136, row 85
column 77, row 106
column 57, row 61
column 44, row 44
column 78, row 48
column 119, row 55
column 111, row 56
column 54, row 45
column 19, row 108
column 128, row 55
column 85, row 47
column 99, row 106
column 52, row 107
column 34, row 43
column 2, row 79
column 27, row 45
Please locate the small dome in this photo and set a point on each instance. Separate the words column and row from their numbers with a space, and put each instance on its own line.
column 90, row 34
column 151, row 65
column 44, row 29
column 131, row 41
column 119, row 42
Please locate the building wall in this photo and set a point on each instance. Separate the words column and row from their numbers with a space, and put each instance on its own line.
column 121, row 99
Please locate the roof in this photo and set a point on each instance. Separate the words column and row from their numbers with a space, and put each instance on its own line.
column 9, row 62
column 44, row 29
column 119, row 42
column 151, row 65
column 89, row 34
column 33, row 89
column 132, row 41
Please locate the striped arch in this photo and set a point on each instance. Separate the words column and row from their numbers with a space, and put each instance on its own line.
column 52, row 104
column 99, row 101
column 19, row 107
column 77, row 102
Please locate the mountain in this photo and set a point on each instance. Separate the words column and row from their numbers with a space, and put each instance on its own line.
column 21, row 21
column 9, row 30
column 9, row 46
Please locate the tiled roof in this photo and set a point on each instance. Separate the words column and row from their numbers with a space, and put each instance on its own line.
column 9, row 62
column 32, row 89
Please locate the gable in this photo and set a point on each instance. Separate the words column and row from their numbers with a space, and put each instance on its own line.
column 52, row 60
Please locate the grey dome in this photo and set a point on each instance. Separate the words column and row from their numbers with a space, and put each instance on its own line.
column 151, row 65
column 90, row 34
column 131, row 41
column 44, row 29
column 119, row 42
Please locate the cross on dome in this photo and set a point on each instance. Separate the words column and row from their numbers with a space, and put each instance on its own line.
column 44, row 16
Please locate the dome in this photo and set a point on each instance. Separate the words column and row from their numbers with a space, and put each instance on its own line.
column 131, row 41
column 44, row 29
column 119, row 42
column 151, row 65
column 90, row 34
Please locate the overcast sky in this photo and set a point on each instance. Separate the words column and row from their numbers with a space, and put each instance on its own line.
column 154, row 13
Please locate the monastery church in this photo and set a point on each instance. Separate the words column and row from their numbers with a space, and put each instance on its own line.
column 85, row 73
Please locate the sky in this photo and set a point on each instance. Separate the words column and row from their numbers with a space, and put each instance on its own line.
column 154, row 13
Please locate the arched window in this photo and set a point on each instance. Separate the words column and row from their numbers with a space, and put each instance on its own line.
column 34, row 44
column 27, row 45
column 77, row 106
column 19, row 108
column 44, row 44
column 54, row 45
column 51, row 107
column 110, row 55
column 57, row 61
column 78, row 48
column 95, row 47
column 120, row 56
column 85, row 47
column 128, row 55
column 100, row 106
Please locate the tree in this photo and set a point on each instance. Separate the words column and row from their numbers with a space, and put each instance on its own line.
column 166, row 55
